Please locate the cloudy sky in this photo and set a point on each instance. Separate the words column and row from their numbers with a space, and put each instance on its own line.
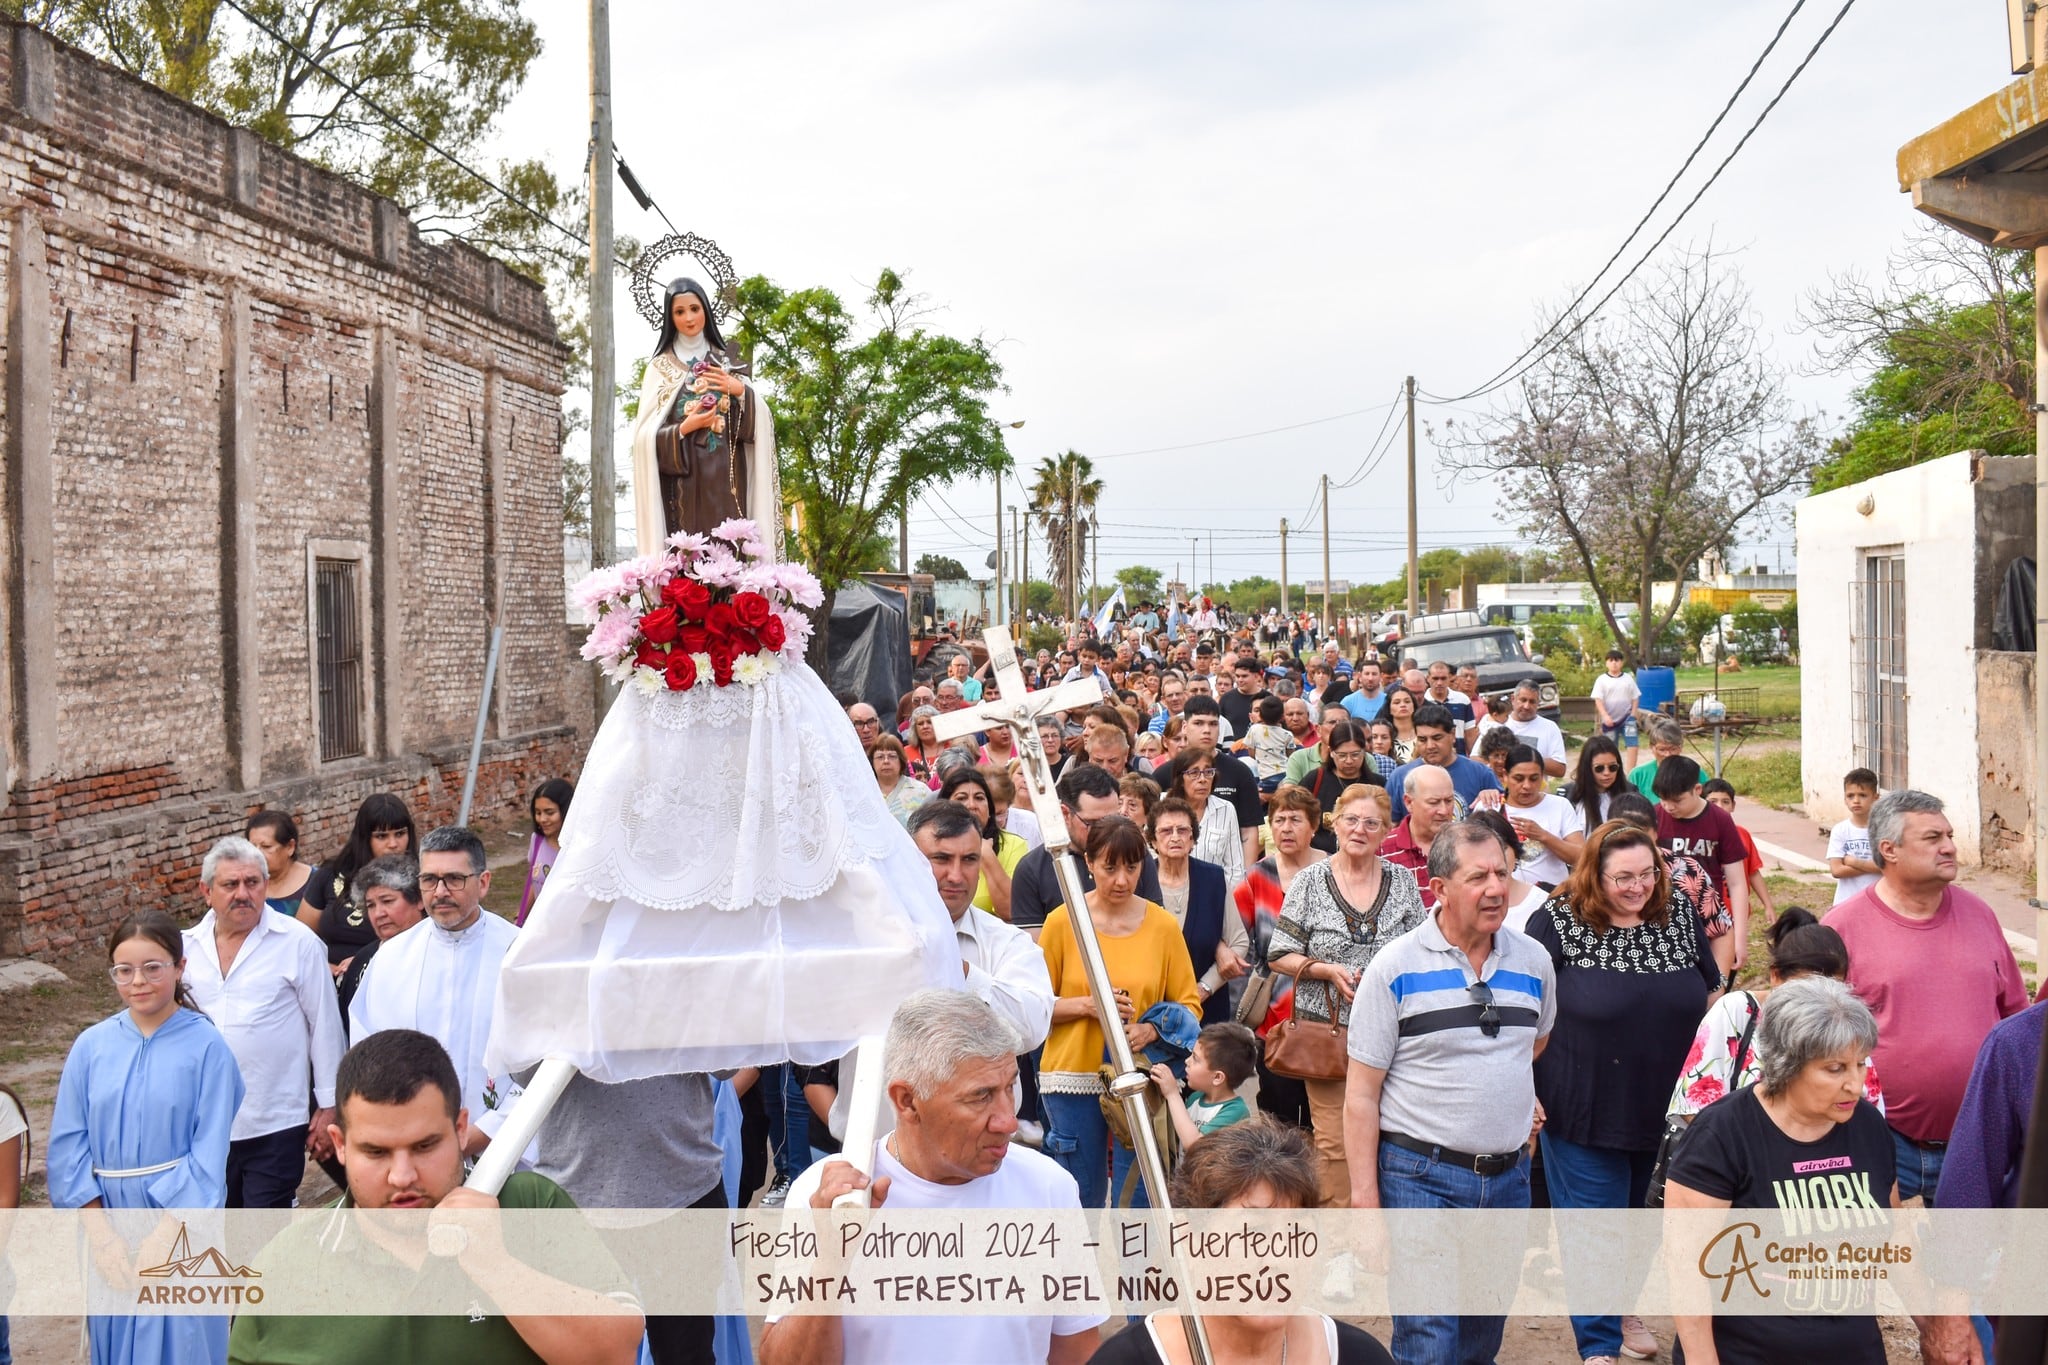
column 1185, row 221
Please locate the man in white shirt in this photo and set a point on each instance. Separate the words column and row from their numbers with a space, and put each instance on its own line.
column 1538, row 732
column 440, row 977
column 1002, row 965
column 952, row 1065
column 262, row 978
column 1457, row 703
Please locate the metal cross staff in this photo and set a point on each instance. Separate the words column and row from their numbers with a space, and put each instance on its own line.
column 1018, row 711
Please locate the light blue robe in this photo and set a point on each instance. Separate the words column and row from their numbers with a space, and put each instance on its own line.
column 125, row 1102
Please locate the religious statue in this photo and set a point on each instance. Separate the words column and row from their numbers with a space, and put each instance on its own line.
column 703, row 441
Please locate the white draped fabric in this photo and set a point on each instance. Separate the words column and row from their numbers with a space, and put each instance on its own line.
column 731, row 892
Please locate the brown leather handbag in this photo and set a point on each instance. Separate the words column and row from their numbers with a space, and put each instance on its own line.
column 1308, row 1050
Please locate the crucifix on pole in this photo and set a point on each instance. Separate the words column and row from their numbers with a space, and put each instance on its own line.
column 1017, row 710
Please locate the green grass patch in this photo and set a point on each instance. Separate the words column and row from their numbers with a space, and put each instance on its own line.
column 1772, row 778
column 1777, row 688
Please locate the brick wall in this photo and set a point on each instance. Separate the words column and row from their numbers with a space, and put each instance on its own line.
column 221, row 361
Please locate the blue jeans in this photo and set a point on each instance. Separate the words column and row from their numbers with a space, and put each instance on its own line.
column 1920, row 1173
column 1077, row 1136
column 789, row 1120
column 1583, row 1177
column 1411, row 1180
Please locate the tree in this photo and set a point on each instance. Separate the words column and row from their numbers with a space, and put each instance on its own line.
column 311, row 75
column 1646, row 437
column 1040, row 596
column 1140, row 584
column 1063, row 490
column 945, row 568
column 1949, row 346
column 867, row 408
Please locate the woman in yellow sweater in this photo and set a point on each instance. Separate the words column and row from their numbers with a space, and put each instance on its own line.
column 1148, row 963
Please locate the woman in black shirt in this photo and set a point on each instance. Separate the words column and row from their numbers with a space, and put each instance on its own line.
column 1634, row 970
column 1259, row 1164
column 331, row 908
column 1805, row 1142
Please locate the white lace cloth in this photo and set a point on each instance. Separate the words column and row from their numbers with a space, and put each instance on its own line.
column 731, row 891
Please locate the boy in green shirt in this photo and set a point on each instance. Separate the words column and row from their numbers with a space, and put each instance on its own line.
column 399, row 1133
column 1224, row 1057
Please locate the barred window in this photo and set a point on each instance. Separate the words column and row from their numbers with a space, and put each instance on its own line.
column 338, row 657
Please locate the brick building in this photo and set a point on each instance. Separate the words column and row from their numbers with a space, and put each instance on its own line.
column 274, row 466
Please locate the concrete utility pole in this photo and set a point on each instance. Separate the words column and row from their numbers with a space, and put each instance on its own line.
column 998, row 598
column 1414, row 560
column 1094, row 561
column 1283, row 566
column 1024, row 562
column 604, row 512
column 903, row 536
column 1074, row 541
column 1326, row 553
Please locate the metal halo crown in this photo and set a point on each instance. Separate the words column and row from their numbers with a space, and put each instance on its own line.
column 648, row 290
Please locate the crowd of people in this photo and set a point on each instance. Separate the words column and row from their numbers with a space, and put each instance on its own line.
column 1372, row 956
column 1484, row 971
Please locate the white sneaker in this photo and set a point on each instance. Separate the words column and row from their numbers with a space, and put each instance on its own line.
column 1029, row 1133
column 1637, row 1343
column 776, row 1195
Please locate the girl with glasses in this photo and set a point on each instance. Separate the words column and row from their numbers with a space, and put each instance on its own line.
column 143, row 1112
column 1634, row 974
column 1192, row 778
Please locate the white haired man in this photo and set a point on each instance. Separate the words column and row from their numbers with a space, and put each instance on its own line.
column 263, row 980
column 952, row 1064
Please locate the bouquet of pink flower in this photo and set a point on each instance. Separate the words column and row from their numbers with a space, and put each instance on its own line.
column 711, row 611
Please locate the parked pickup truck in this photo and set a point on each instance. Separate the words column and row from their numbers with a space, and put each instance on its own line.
column 1459, row 638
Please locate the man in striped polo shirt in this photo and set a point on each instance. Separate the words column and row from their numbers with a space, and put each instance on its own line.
column 1441, row 1097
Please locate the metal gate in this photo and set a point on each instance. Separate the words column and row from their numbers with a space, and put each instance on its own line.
column 338, row 635
column 1877, row 625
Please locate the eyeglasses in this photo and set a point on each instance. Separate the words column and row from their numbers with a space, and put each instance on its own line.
column 1371, row 824
column 125, row 973
column 1607, row 768
column 1489, row 1017
column 1200, row 772
column 1628, row 881
column 454, row 881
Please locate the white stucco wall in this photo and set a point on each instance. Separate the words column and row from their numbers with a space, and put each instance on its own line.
column 1929, row 511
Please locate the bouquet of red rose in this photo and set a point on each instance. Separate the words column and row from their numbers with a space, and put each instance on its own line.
column 709, row 612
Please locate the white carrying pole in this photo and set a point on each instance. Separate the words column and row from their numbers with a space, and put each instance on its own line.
column 522, row 1125
column 476, row 738
column 863, row 1119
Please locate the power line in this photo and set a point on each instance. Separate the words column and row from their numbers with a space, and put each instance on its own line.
column 1243, row 436
column 1501, row 380
column 1656, row 204
column 393, row 121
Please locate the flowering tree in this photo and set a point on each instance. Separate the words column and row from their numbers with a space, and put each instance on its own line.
column 868, row 410
column 1645, row 438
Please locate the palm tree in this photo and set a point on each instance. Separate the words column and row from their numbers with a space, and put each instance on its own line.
column 1062, row 489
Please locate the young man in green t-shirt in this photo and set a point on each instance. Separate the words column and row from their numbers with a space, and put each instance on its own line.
column 399, row 1133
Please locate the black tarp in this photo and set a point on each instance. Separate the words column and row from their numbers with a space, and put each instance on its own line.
column 2012, row 620
column 869, row 650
